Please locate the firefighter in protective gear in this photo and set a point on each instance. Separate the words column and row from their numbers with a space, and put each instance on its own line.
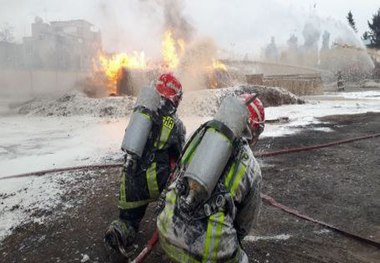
column 144, row 178
column 212, row 231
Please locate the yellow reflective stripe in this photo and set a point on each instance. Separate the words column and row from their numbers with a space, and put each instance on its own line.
column 165, row 133
column 216, row 131
column 151, row 178
column 171, row 197
column 191, row 148
column 213, row 234
column 146, row 116
column 176, row 253
column 133, row 204
column 237, row 179
column 167, row 127
column 168, row 211
column 189, row 151
column 218, row 235
column 123, row 203
column 230, row 174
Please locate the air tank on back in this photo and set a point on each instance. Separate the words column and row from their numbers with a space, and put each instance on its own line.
column 140, row 123
column 216, row 147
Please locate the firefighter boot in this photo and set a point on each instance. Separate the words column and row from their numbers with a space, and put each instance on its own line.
column 120, row 236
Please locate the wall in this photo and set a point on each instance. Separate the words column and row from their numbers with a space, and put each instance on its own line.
column 299, row 84
column 38, row 82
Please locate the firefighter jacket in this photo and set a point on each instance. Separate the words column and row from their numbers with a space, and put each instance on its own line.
column 165, row 143
column 213, row 233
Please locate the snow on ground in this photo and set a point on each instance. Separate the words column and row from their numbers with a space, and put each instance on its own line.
column 277, row 237
column 280, row 237
column 31, row 143
column 319, row 106
column 363, row 95
column 22, row 197
column 37, row 143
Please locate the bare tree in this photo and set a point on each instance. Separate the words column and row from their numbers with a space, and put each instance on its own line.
column 6, row 33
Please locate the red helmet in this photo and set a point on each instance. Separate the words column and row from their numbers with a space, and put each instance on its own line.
column 256, row 117
column 170, row 88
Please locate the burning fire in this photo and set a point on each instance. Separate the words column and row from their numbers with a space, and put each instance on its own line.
column 112, row 66
column 172, row 50
column 169, row 50
column 216, row 73
column 216, row 64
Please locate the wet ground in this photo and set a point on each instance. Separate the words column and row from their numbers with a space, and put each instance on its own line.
column 338, row 185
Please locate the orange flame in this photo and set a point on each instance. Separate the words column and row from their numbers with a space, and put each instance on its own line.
column 213, row 75
column 112, row 66
column 170, row 49
column 216, row 64
column 122, row 60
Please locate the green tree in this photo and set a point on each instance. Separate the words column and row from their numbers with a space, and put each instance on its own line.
column 373, row 35
column 351, row 21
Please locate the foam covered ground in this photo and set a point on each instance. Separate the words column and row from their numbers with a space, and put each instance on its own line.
column 73, row 132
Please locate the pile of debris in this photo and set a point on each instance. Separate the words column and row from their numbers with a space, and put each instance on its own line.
column 198, row 103
column 206, row 102
column 77, row 103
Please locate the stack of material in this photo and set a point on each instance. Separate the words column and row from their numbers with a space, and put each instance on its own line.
column 300, row 84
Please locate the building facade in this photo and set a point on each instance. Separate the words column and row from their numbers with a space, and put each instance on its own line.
column 58, row 45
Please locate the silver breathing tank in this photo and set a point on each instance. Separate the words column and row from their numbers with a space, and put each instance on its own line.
column 215, row 149
column 234, row 114
column 140, row 123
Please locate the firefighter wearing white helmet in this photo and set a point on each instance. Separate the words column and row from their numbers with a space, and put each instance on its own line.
column 152, row 144
column 215, row 198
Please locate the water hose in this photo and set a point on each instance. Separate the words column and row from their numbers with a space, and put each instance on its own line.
column 257, row 154
column 154, row 239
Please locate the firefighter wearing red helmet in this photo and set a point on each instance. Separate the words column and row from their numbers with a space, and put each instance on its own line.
column 256, row 120
column 170, row 88
column 152, row 143
column 206, row 212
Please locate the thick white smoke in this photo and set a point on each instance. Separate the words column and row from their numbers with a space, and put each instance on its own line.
column 238, row 26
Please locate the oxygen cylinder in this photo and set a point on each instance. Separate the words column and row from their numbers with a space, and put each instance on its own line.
column 215, row 149
column 140, row 123
column 234, row 114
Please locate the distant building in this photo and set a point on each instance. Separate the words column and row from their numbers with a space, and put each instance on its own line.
column 60, row 45
column 11, row 55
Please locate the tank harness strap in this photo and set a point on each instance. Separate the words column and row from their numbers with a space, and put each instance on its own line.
column 234, row 178
column 192, row 145
column 222, row 128
column 197, row 137
column 144, row 110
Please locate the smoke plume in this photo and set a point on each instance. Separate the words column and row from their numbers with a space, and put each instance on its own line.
column 176, row 21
